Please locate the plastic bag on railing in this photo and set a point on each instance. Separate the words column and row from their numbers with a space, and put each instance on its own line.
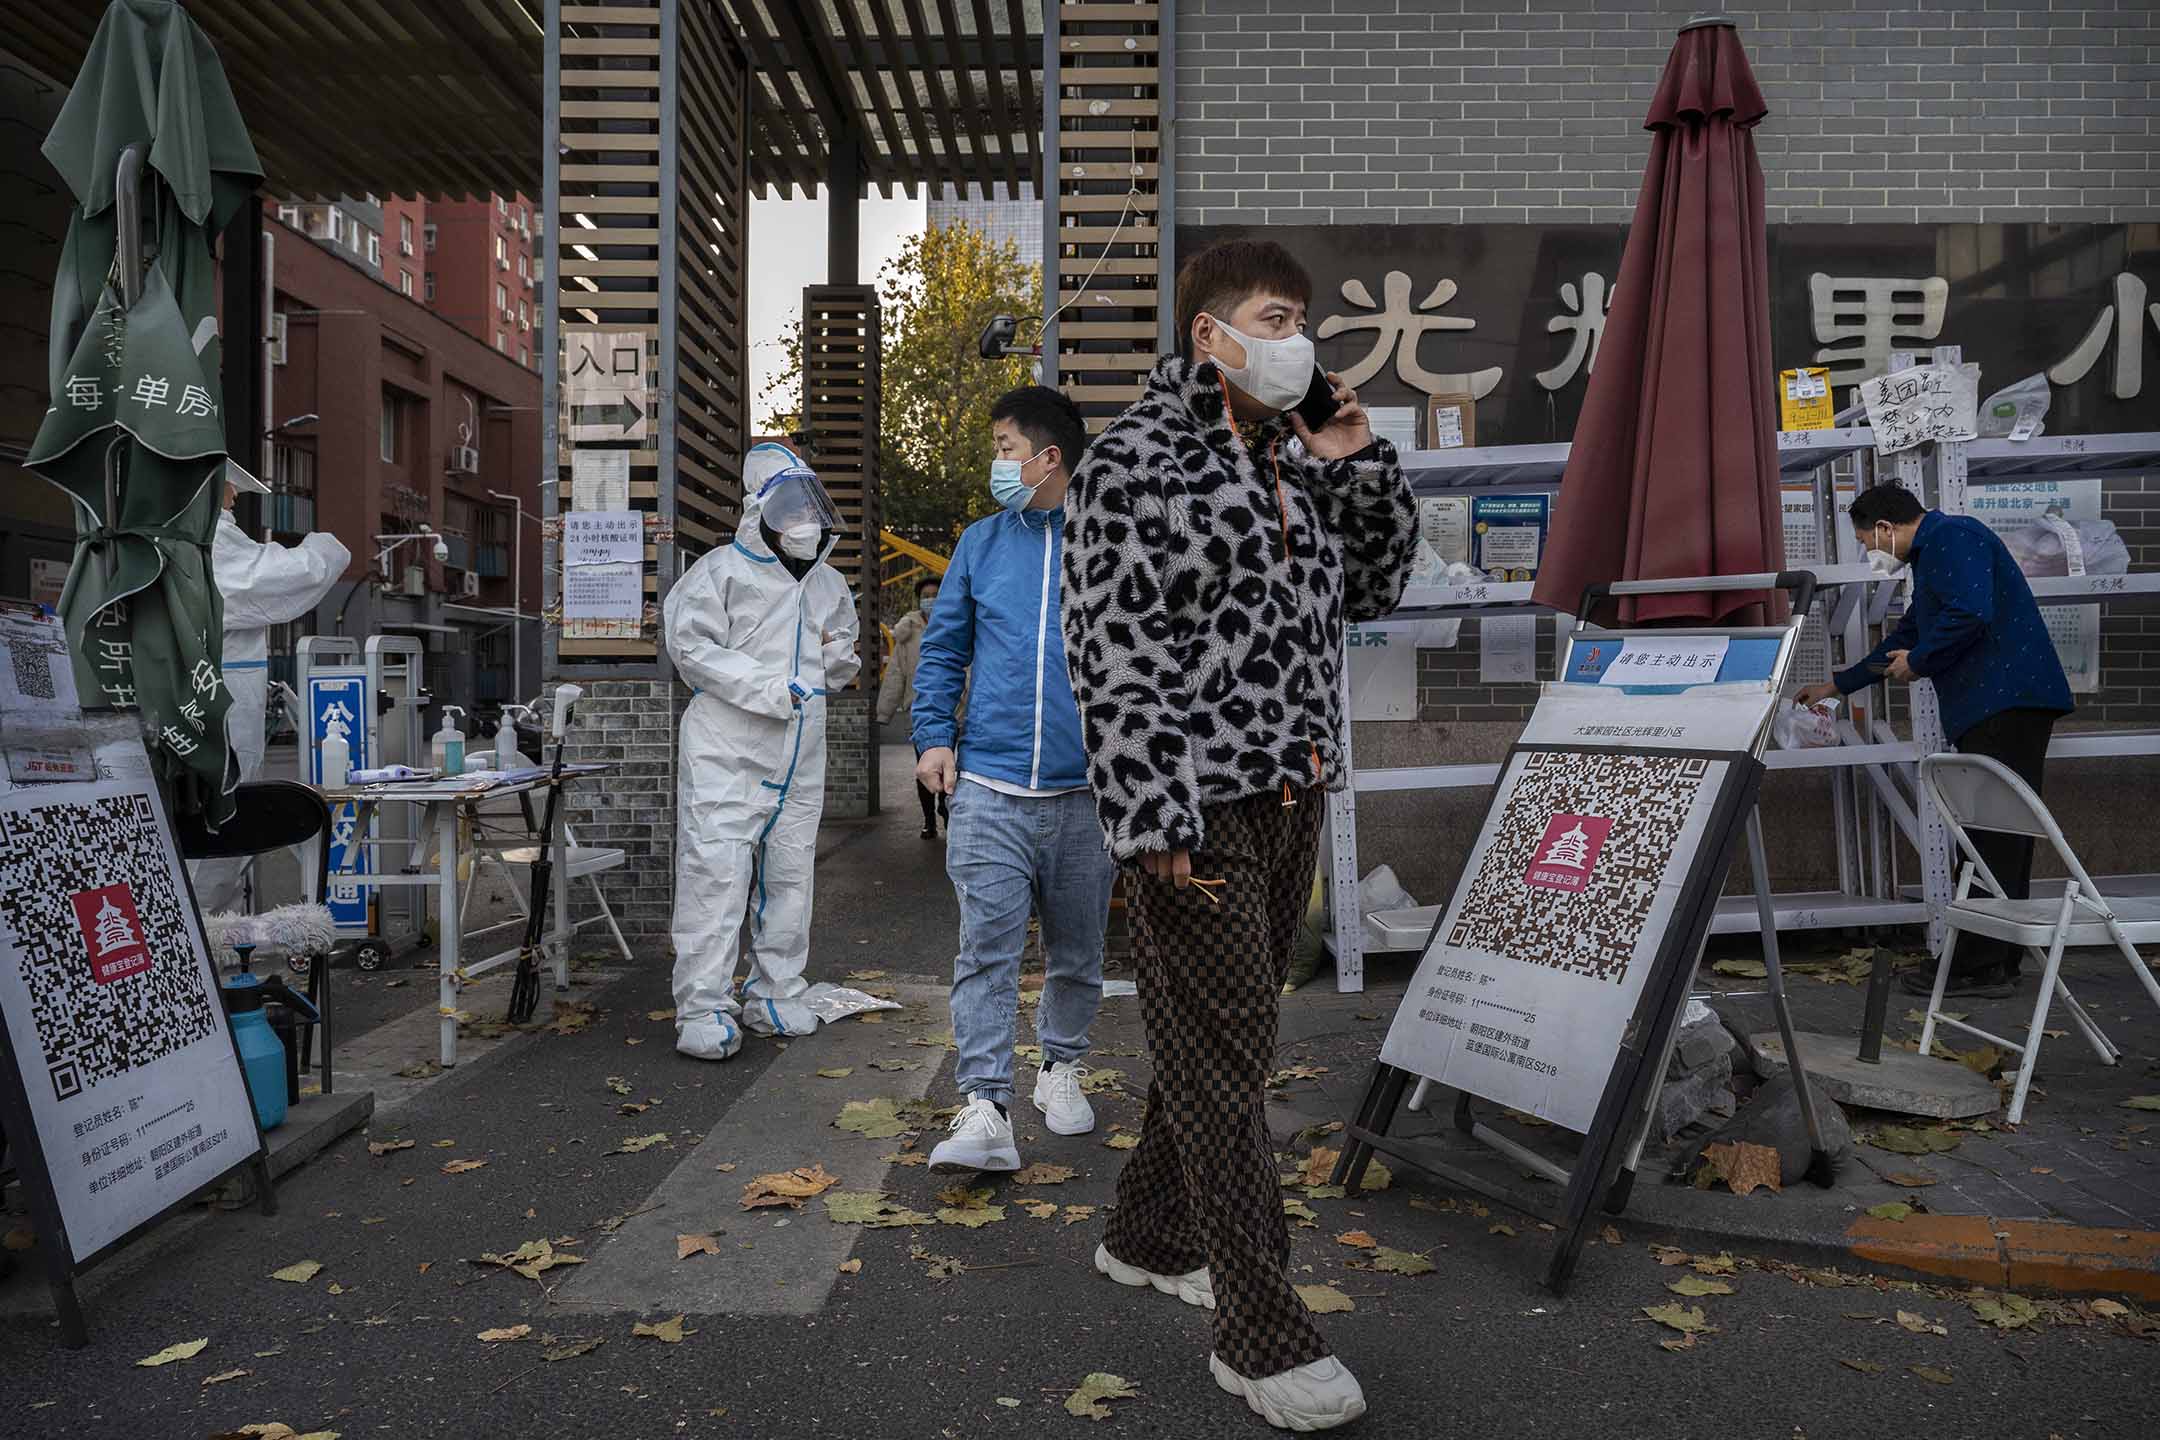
column 1805, row 727
column 2016, row 410
column 2057, row 547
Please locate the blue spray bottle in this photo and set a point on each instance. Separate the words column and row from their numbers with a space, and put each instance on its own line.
column 262, row 1054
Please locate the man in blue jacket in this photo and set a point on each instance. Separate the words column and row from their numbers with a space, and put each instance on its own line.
column 1022, row 834
column 1974, row 629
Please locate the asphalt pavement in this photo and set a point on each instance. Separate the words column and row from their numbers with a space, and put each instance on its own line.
column 978, row 1324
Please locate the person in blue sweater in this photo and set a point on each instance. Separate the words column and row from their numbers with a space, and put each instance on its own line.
column 1022, row 833
column 1973, row 628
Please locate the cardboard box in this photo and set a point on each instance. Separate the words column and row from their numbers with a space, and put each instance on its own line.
column 1450, row 421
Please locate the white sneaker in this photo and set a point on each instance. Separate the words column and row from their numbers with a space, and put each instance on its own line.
column 982, row 1139
column 1318, row 1395
column 714, row 1037
column 1057, row 1094
column 1194, row 1287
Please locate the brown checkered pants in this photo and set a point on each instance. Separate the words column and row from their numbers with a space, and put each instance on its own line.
column 1202, row 1187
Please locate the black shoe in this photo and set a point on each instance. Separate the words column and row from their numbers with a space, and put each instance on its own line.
column 929, row 832
column 1993, row 982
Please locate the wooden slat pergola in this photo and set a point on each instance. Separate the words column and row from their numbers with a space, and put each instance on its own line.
column 445, row 97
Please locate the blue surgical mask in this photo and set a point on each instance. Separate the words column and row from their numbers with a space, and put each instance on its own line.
column 1006, row 486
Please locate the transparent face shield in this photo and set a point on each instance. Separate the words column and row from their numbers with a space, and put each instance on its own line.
column 794, row 497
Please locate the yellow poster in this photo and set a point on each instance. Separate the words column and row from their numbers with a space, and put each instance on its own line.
column 1804, row 399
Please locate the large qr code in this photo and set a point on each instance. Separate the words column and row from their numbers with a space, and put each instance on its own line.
column 32, row 667
column 1575, row 862
column 96, row 1021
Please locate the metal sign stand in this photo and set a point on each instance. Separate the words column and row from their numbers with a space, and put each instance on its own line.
column 1604, row 1172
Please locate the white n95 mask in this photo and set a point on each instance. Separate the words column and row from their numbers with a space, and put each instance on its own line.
column 801, row 541
column 1277, row 373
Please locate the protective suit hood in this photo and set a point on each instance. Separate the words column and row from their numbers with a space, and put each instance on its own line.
column 780, row 490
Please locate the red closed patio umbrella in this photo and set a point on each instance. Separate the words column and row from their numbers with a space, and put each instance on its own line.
column 1674, row 470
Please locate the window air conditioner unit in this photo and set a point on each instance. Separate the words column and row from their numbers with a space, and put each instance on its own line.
column 277, row 338
column 404, row 247
column 463, row 460
column 472, row 584
column 415, row 581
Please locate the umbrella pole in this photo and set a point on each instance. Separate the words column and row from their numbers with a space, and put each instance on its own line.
column 128, row 263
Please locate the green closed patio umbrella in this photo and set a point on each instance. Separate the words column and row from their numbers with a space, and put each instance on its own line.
column 153, row 148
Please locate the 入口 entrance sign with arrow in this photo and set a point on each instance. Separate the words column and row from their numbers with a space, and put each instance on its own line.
column 605, row 385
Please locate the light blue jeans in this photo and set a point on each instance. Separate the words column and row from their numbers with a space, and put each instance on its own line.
column 1008, row 854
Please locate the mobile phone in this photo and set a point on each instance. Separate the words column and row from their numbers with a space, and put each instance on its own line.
column 1319, row 405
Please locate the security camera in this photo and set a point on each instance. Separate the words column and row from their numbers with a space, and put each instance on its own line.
column 442, row 551
column 997, row 336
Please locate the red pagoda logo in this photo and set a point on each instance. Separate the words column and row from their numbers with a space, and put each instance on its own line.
column 112, row 933
column 1568, row 853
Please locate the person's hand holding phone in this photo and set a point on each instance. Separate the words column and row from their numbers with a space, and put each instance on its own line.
column 1346, row 432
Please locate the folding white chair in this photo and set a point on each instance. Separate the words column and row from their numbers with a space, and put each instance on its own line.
column 585, row 862
column 1973, row 792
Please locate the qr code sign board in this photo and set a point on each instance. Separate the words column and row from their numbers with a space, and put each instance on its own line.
column 99, row 931
column 1577, row 856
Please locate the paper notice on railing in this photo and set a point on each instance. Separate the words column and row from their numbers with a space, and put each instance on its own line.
column 1927, row 402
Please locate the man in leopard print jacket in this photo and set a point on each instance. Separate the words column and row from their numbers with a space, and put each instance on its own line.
column 1215, row 545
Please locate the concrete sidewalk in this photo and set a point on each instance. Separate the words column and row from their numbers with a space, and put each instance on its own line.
column 2068, row 1201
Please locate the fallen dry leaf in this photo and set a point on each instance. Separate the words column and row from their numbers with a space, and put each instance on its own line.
column 669, row 1331
column 1933, row 1375
column 460, row 1167
column 514, row 1332
column 1499, row 1227
column 1088, row 1402
column 851, row 1267
column 871, row 1119
column 1910, row 1179
column 1670, row 1254
column 632, row 1144
column 1325, row 1299
column 838, row 1072
column 445, row 1145
column 1920, row 1324
column 1914, row 1140
column 2142, row 1102
column 1695, row 1286
column 1318, row 1166
column 222, row 1376
column 619, row 1085
column 185, row 1350
column 384, row 1147
column 688, row 1245
column 1687, row 1319
column 1743, row 1167
column 788, row 1187
column 659, row 1014
column 298, row 1273
column 2111, row 1309
column 892, row 1065
column 1377, row 1177
column 1357, row 1240
column 1892, row 1210
column 1865, row 1367
column 2004, row 1311
column 531, row 1259
column 1040, row 1209
column 1299, row 1211
column 1074, row 1214
column 1124, row 1141
column 1400, row 1262
column 868, row 1208
column 1721, row 1263
column 969, row 1208
column 1611, row 1235
column 571, row 1349
column 1041, row 1174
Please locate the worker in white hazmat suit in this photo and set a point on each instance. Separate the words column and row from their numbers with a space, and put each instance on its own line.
column 262, row 584
column 762, row 630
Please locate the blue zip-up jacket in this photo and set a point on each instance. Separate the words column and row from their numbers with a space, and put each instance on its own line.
column 1973, row 628
column 996, row 618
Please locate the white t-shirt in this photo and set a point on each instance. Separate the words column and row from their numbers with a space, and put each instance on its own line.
column 1023, row 792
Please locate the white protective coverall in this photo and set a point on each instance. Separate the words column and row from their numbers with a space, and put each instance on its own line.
column 263, row 585
column 761, row 650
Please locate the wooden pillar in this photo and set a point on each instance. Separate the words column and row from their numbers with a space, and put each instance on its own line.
column 1109, row 214
column 840, row 416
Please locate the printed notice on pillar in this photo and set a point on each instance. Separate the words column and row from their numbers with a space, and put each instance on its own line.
column 603, row 574
column 111, row 1014
column 1533, row 975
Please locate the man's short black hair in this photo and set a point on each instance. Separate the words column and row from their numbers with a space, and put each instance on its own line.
column 1227, row 274
column 1047, row 418
column 1886, row 502
column 928, row 582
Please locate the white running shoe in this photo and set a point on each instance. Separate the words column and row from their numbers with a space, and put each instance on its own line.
column 1057, row 1094
column 982, row 1139
column 1194, row 1287
column 714, row 1037
column 1318, row 1395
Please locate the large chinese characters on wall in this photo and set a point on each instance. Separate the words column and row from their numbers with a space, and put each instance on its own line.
column 1514, row 314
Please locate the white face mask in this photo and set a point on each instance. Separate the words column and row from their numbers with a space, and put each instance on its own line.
column 801, row 541
column 1277, row 373
column 1885, row 561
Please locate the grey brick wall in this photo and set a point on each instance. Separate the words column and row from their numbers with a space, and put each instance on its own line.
column 631, row 724
column 851, row 758
column 1462, row 111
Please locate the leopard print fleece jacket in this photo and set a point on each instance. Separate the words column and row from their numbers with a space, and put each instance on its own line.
column 1206, row 582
